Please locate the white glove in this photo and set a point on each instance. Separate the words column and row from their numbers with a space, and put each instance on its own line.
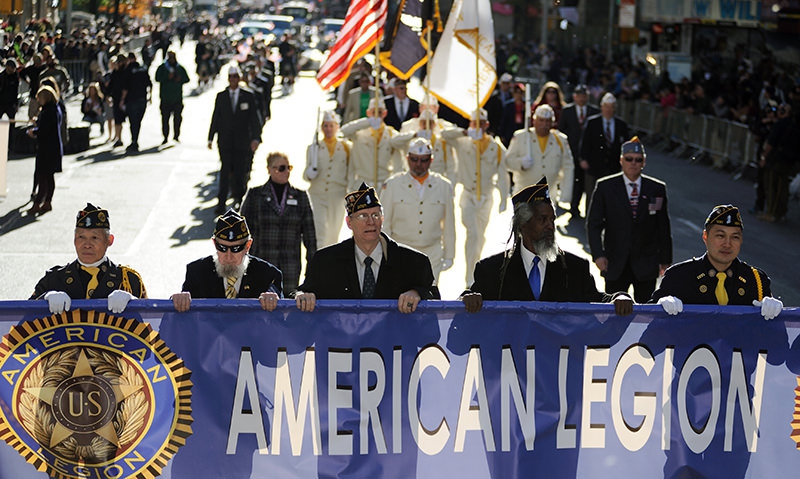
column 770, row 307
column 58, row 301
column 447, row 264
column 311, row 173
column 671, row 305
column 503, row 205
column 118, row 300
column 527, row 162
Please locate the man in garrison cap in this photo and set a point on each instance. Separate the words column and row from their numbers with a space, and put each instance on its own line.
column 535, row 268
column 419, row 210
column 628, row 226
column 92, row 275
column 370, row 265
column 232, row 272
column 718, row 277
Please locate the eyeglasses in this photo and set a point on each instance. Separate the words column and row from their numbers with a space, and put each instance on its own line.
column 637, row 159
column 419, row 159
column 363, row 217
column 236, row 248
column 282, row 168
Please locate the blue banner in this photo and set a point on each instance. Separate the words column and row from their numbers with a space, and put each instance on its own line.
column 357, row 390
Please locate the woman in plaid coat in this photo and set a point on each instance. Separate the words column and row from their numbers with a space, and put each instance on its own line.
column 280, row 218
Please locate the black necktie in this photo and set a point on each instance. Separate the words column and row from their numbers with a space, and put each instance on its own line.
column 368, row 291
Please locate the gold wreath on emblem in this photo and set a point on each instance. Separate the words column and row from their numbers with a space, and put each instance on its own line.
column 703, row 288
column 101, row 216
column 741, row 291
column 110, row 284
column 37, row 412
column 70, row 280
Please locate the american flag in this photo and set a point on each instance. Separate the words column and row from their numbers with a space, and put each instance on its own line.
column 362, row 29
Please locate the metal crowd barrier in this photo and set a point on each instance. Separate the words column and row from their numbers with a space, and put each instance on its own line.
column 729, row 144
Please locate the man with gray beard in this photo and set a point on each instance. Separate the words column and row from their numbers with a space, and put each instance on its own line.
column 232, row 272
column 535, row 268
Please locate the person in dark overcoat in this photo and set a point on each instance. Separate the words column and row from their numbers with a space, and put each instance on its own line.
column 49, row 149
column 281, row 218
column 237, row 125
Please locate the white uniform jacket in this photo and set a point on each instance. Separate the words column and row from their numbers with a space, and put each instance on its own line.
column 555, row 162
column 420, row 215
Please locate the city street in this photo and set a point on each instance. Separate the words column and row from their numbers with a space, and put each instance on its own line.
column 161, row 200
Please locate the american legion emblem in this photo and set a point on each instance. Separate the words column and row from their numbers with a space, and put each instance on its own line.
column 86, row 394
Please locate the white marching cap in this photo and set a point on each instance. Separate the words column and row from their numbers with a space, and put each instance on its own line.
column 420, row 147
column 608, row 98
column 330, row 116
column 430, row 100
column 380, row 104
column 480, row 114
column 544, row 112
column 427, row 115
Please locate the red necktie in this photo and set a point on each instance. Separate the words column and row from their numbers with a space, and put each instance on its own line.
column 582, row 117
column 634, row 199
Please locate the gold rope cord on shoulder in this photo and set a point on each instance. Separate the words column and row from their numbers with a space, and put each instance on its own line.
column 126, row 282
column 759, row 286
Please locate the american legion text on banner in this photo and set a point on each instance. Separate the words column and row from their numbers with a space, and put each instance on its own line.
column 358, row 390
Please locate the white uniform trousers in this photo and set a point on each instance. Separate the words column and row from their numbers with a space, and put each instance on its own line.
column 475, row 214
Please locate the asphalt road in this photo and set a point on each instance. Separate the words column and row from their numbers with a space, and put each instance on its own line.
column 161, row 200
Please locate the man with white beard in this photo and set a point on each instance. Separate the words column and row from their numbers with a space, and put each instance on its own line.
column 535, row 268
column 232, row 272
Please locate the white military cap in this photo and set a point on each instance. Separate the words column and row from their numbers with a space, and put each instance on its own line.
column 545, row 112
column 330, row 116
column 381, row 105
column 234, row 70
column 480, row 114
column 420, row 147
column 608, row 98
column 430, row 100
column 506, row 78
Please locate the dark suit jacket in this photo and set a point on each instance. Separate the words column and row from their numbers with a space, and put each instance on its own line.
column 202, row 280
column 603, row 158
column 570, row 125
column 392, row 116
column 235, row 130
column 332, row 273
column 566, row 280
column 613, row 233
column 72, row 280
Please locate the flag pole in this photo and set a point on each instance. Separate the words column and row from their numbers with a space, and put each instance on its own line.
column 376, row 110
column 478, row 104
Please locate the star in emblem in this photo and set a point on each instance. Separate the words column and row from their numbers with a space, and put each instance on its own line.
column 84, row 403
